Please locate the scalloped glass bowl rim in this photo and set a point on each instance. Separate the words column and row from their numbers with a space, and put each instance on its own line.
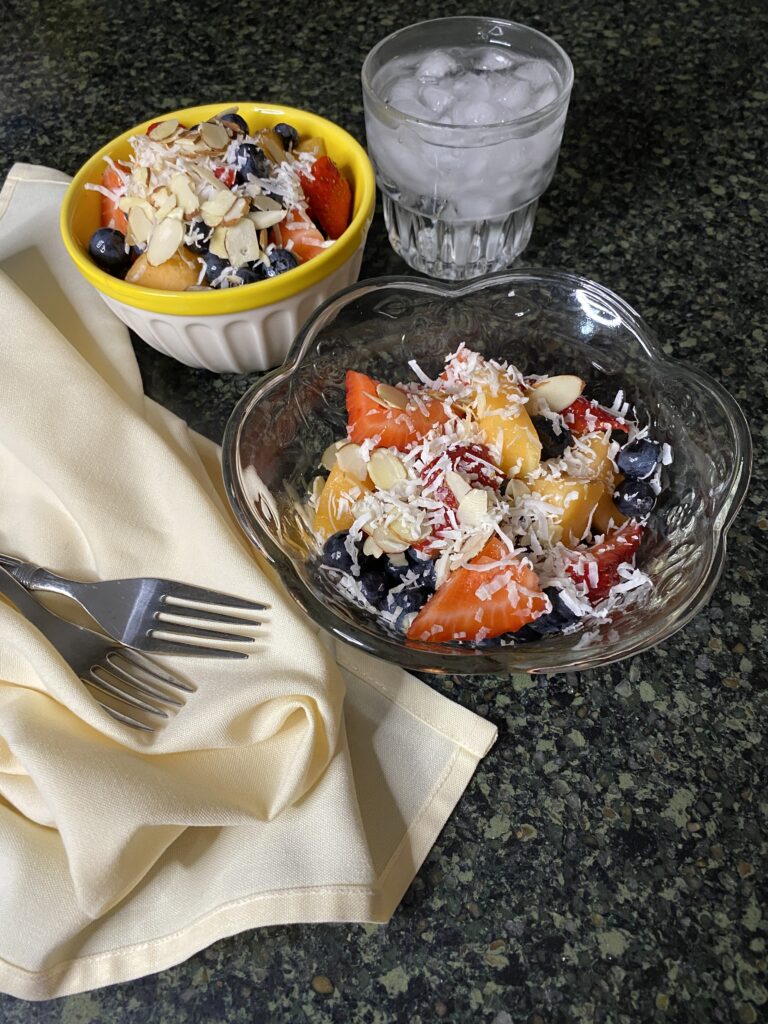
column 436, row 658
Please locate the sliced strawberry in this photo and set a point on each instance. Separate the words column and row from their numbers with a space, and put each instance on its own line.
column 329, row 196
column 479, row 605
column 395, row 428
column 617, row 549
column 299, row 234
column 227, row 175
column 111, row 214
column 584, row 416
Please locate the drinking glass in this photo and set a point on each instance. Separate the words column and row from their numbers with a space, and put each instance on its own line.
column 464, row 118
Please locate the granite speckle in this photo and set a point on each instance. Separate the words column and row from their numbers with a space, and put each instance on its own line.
column 608, row 861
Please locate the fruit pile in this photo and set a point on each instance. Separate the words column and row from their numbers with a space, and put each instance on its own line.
column 216, row 206
column 485, row 507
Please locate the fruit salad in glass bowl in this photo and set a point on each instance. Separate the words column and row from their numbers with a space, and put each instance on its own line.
column 494, row 477
column 485, row 506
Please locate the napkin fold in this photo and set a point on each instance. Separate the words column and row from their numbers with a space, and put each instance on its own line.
column 306, row 783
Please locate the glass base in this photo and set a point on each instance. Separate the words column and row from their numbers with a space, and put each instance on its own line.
column 457, row 250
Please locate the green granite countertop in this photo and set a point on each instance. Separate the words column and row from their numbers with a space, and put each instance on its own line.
column 608, row 861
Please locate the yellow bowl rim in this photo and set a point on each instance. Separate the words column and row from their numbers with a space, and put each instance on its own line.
column 230, row 300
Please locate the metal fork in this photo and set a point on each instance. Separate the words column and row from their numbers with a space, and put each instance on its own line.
column 130, row 610
column 109, row 668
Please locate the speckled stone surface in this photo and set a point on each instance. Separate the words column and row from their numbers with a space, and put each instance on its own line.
column 608, row 861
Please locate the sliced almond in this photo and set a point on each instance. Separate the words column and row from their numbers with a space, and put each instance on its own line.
column 350, row 458
column 214, row 135
column 128, row 203
column 165, row 241
column 168, row 206
column 393, row 397
column 140, row 225
column 406, row 528
column 265, row 203
column 473, row 508
column 516, row 489
column 457, row 484
column 475, row 544
column 398, row 558
column 377, row 400
column 236, row 212
column 163, row 130
column 328, row 460
column 556, row 393
column 370, row 547
column 159, row 196
column 242, row 247
column 218, row 243
column 185, row 196
column 389, row 542
column 207, row 175
column 385, row 469
column 264, row 242
column 215, row 209
column 267, row 218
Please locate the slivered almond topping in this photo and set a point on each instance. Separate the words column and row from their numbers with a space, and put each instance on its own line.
column 473, row 508
column 214, row 210
column 388, row 541
column 328, row 461
column 242, row 246
column 185, row 197
column 236, row 212
column 139, row 225
column 556, row 393
column 457, row 484
column 165, row 241
column 128, row 203
column 208, row 176
column 377, row 400
column 214, row 135
column 386, row 469
column 218, row 243
column 406, row 528
column 265, row 203
column 168, row 206
column 516, row 489
column 350, row 458
column 475, row 544
column 393, row 397
column 163, row 130
column 267, row 218
column 370, row 547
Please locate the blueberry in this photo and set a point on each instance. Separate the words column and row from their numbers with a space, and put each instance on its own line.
column 524, row 635
column 335, row 552
column 424, row 568
column 374, row 585
column 214, row 266
column 639, row 459
column 406, row 602
column 200, row 235
column 552, row 444
column 554, row 622
column 280, row 260
column 236, row 119
column 248, row 274
column 251, row 162
column 634, row 497
column 288, row 134
column 107, row 250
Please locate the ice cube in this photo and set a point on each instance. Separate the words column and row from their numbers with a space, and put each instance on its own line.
column 537, row 72
column 514, row 94
column 403, row 96
column 545, row 96
column 471, row 111
column 435, row 97
column 470, row 86
column 492, row 58
column 438, row 64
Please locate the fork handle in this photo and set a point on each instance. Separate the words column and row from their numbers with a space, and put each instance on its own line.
column 48, row 623
column 35, row 577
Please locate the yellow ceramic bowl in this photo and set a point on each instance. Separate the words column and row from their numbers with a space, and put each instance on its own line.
column 235, row 329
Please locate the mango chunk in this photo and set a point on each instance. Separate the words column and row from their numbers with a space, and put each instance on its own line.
column 335, row 509
column 577, row 500
column 605, row 511
column 508, row 425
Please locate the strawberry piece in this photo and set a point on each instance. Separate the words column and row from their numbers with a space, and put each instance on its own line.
column 584, row 416
column 617, row 549
column 329, row 197
column 479, row 605
column 227, row 175
column 298, row 234
column 111, row 214
column 395, row 428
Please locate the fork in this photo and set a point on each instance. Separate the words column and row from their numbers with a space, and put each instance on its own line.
column 130, row 610
column 99, row 662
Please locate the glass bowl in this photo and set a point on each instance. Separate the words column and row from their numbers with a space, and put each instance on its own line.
column 543, row 322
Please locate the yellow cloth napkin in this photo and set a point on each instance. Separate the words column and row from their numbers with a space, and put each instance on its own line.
column 306, row 783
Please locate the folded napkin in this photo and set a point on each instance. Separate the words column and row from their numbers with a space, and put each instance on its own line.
column 306, row 783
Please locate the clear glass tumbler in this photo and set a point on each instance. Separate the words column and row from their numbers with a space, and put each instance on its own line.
column 464, row 118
